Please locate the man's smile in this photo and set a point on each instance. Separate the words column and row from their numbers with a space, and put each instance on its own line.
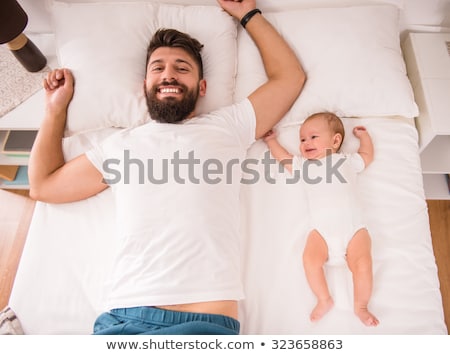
column 169, row 90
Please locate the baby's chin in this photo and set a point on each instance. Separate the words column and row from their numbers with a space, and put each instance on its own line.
column 316, row 155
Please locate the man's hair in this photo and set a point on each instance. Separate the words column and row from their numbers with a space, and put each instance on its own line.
column 176, row 39
column 334, row 122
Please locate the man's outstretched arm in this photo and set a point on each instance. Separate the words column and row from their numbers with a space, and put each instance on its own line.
column 51, row 178
column 285, row 74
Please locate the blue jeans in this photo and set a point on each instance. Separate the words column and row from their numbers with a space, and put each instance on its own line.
column 151, row 320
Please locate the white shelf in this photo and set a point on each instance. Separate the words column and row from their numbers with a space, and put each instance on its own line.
column 27, row 115
column 428, row 65
column 10, row 160
column 436, row 187
column 435, row 157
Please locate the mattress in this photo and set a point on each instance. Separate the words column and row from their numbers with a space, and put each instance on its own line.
column 406, row 297
column 61, row 282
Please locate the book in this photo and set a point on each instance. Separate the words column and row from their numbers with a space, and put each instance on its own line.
column 21, row 178
column 19, row 142
column 8, row 172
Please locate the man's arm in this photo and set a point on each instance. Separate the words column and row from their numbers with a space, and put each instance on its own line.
column 51, row 178
column 285, row 74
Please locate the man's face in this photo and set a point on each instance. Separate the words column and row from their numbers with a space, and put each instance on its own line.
column 172, row 85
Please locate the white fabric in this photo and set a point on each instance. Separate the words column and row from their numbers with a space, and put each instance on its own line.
column 107, row 56
column 177, row 208
column 71, row 248
column 351, row 56
column 406, row 297
column 330, row 189
column 39, row 17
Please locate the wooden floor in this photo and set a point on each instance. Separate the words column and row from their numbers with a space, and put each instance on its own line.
column 16, row 210
column 439, row 212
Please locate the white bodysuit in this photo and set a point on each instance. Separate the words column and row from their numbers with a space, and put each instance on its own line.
column 330, row 185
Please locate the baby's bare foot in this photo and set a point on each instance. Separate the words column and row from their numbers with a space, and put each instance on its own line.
column 366, row 317
column 322, row 307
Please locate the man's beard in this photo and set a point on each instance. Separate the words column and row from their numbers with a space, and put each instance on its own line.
column 170, row 109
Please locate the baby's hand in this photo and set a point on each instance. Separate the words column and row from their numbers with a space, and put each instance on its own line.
column 269, row 136
column 359, row 130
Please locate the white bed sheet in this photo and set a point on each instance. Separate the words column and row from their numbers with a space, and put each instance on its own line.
column 406, row 296
column 60, row 283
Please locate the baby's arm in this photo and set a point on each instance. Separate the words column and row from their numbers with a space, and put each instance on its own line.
column 278, row 151
column 365, row 144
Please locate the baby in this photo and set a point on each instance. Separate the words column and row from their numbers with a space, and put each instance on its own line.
column 337, row 231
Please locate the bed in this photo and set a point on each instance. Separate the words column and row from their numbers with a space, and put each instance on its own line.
column 355, row 68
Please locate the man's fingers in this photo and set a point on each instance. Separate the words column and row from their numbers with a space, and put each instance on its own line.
column 45, row 84
column 58, row 77
column 51, row 80
column 68, row 77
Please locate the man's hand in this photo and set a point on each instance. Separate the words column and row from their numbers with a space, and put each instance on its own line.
column 58, row 90
column 237, row 8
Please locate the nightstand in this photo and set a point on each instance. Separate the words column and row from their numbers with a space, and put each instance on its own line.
column 427, row 57
column 28, row 115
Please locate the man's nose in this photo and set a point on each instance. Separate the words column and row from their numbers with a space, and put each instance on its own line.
column 169, row 75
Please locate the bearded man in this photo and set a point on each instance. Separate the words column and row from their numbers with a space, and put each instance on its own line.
column 177, row 270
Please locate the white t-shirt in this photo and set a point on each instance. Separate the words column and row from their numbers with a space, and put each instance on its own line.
column 176, row 188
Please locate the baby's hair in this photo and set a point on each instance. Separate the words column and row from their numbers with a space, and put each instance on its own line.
column 334, row 122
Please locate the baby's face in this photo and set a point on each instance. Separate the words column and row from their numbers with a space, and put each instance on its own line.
column 316, row 138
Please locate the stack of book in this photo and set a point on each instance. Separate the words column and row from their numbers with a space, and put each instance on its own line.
column 16, row 143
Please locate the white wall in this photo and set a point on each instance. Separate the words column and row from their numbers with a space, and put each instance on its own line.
column 427, row 13
column 420, row 15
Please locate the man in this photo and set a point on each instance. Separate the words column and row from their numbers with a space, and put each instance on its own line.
column 177, row 271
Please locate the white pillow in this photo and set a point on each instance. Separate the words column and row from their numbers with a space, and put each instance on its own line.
column 105, row 45
column 352, row 58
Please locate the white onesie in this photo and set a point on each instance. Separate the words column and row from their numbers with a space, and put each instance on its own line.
column 330, row 185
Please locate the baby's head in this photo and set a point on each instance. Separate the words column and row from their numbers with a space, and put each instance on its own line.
column 321, row 133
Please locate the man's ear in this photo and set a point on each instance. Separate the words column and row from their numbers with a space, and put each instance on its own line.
column 202, row 87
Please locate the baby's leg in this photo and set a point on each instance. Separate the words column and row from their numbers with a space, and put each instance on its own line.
column 359, row 261
column 314, row 257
